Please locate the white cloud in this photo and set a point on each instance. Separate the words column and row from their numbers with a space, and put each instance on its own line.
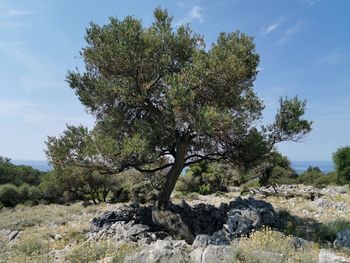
column 272, row 27
column 18, row 12
column 13, row 24
column 290, row 32
column 195, row 14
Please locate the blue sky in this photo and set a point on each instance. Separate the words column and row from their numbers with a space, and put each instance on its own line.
column 304, row 47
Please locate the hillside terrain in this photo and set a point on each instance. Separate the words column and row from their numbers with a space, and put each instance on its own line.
column 304, row 229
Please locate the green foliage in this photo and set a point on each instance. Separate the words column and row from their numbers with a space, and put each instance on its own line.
column 281, row 171
column 341, row 159
column 133, row 186
column 78, row 183
column 314, row 176
column 51, row 188
column 18, row 174
column 157, row 93
column 206, row 178
column 328, row 232
column 30, row 194
column 9, row 195
column 143, row 192
column 276, row 169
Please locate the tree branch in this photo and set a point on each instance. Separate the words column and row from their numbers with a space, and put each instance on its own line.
column 155, row 169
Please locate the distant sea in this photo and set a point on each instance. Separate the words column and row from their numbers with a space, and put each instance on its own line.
column 299, row 166
column 40, row 165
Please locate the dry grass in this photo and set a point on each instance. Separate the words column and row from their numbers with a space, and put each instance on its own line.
column 39, row 224
column 268, row 246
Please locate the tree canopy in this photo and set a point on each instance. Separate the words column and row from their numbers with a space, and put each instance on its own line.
column 163, row 100
column 341, row 159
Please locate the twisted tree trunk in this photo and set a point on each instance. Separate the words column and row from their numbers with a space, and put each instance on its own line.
column 172, row 176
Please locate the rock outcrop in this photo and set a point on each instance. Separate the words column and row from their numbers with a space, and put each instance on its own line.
column 327, row 256
column 202, row 224
column 343, row 239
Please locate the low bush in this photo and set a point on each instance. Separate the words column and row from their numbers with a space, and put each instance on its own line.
column 9, row 195
column 328, row 232
column 315, row 177
column 205, row 178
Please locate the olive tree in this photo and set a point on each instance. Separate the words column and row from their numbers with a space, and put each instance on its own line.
column 163, row 101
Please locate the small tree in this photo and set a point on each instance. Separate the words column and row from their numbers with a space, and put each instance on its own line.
column 341, row 159
column 276, row 169
column 162, row 101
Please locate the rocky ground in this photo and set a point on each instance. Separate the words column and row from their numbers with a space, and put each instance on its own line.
column 283, row 224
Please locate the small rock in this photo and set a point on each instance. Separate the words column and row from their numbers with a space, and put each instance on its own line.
column 300, row 242
column 343, row 239
column 327, row 256
column 220, row 238
column 13, row 235
column 137, row 229
column 201, row 241
column 57, row 237
column 217, row 254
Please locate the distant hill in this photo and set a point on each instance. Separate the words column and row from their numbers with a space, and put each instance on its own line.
column 40, row 165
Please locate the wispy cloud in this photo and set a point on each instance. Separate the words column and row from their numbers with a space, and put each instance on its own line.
column 269, row 29
column 309, row 2
column 334, row 59
column 18, row 52
column 332, row 109
column 12, row 17
column 31, row 113
column 13, row 24
column 194, row 14
column 17, row 12
column 290, row 32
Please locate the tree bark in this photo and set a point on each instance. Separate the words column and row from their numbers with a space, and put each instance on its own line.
column 172, row 176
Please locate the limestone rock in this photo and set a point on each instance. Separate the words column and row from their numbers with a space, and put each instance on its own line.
column 162, row 251
column 326, row 256
column 201, row 241
column 8, row 235
column 173, row 223
column 215, row 253
column 343, row 239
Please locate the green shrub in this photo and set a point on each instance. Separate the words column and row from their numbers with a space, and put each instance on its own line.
column 143, row 192
column 51, row 189
column 18, row 174
column 341, row 159
column 30, row 194
column 314, row 176
column 9, row 195
column 276, row 170
column 207, row 178
column 120, row 194
column 328, row 232
column 204, row 189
